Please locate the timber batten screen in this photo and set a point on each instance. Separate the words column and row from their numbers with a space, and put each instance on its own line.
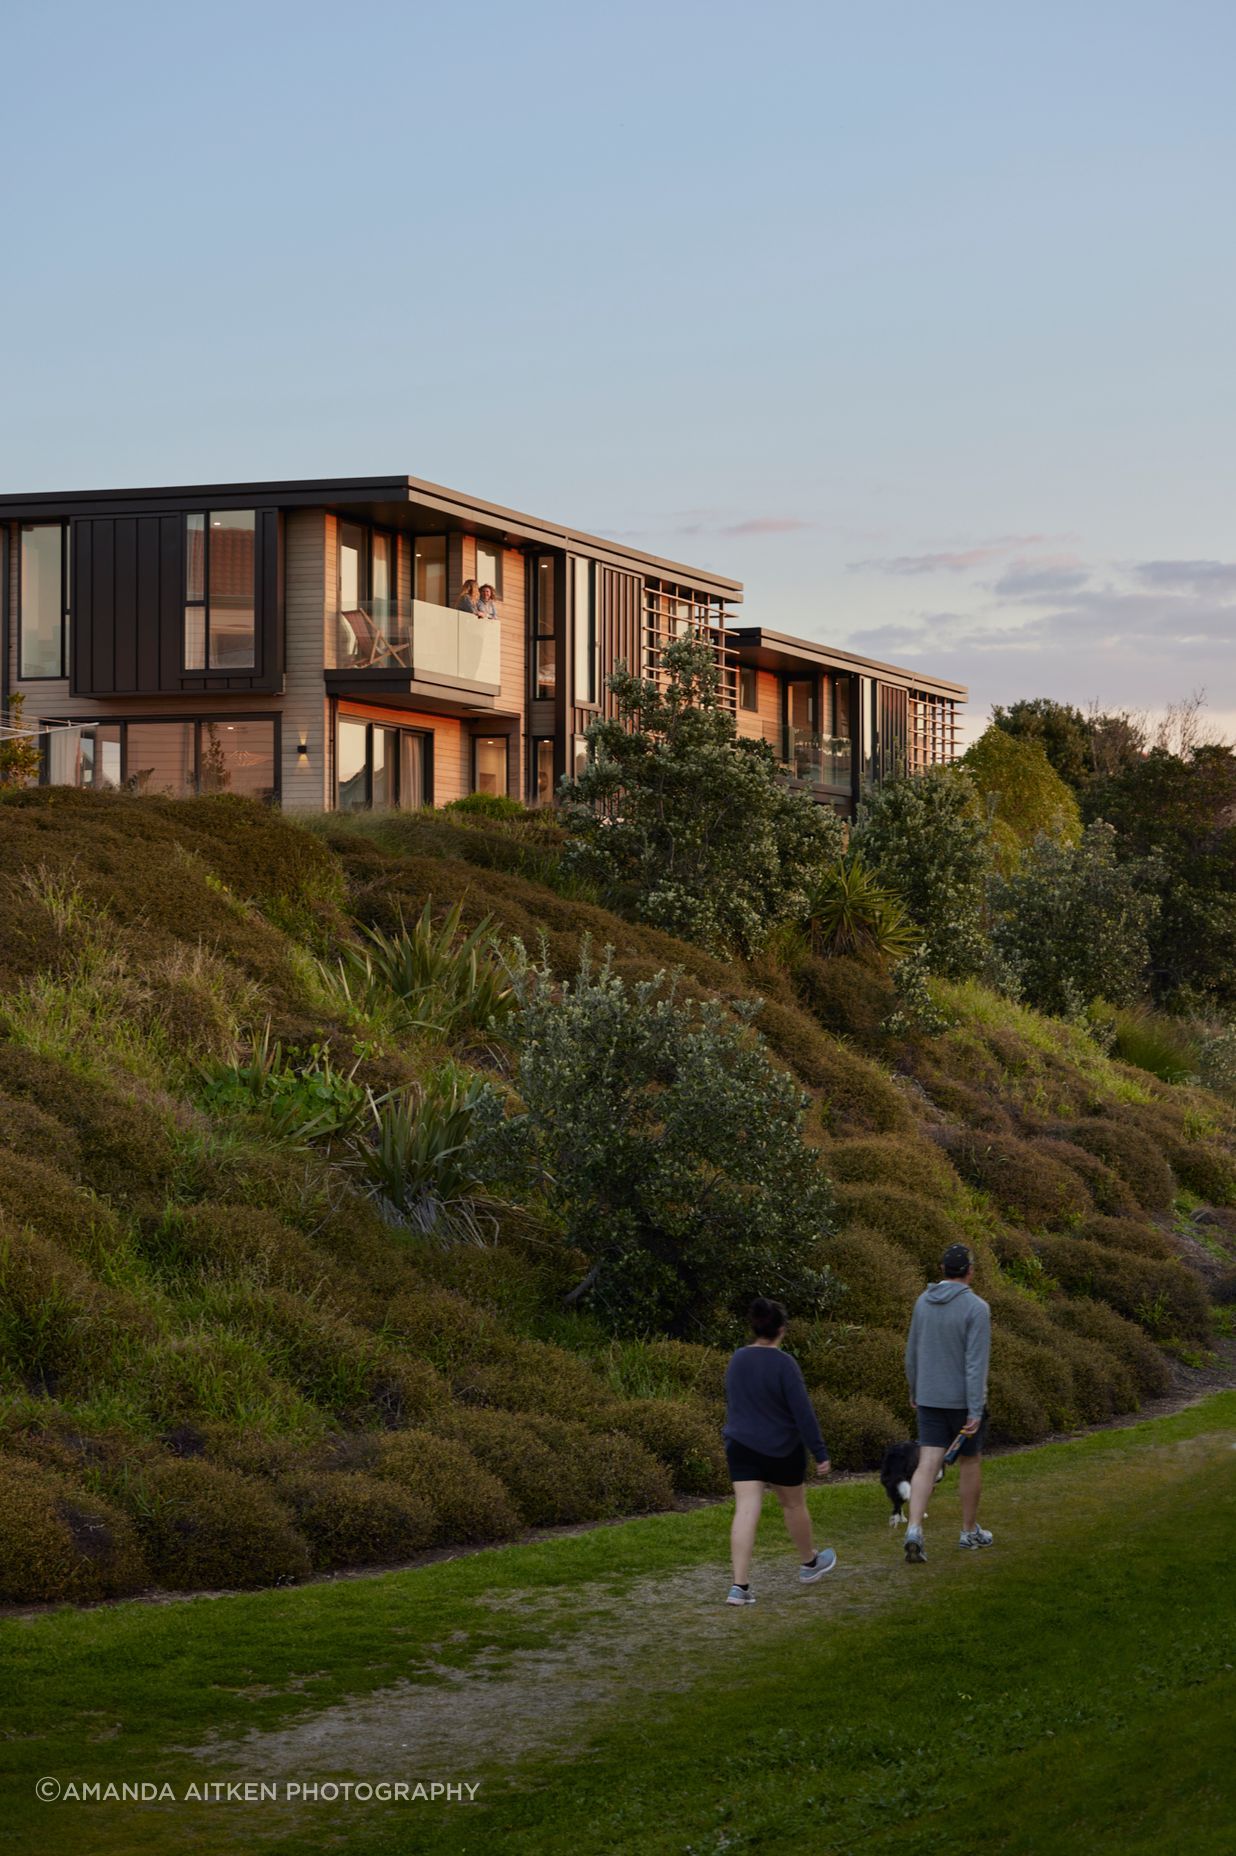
column 673, row 611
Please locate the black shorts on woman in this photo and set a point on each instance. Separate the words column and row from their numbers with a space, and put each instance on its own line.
column 783, row 1472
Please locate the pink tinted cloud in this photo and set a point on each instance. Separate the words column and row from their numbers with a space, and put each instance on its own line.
column 950, row 560
column 767, row 525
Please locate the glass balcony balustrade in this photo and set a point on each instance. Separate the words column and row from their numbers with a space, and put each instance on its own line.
column 819, row 760
column 419, row 640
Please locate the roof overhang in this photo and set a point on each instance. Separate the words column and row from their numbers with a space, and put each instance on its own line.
column 780, row 651
column 408, row 503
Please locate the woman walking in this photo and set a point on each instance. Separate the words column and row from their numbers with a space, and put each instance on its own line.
column 769, row 1428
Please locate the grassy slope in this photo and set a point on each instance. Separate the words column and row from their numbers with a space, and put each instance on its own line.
column 1072, row 1688
column 172, row 1281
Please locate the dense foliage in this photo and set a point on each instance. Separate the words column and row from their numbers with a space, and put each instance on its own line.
column 696, row 828
column 671, row 1148
column 928, row 840
column 1023, row 796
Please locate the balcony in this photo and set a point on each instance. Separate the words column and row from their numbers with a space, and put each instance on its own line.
column 817, row 760
column 412, row 641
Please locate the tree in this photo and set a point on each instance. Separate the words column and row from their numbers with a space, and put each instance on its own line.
column 671, row 1148
column 698, row 828
column 1024, row 795
column 1063, row 733
column 1072, row 922
column 927, row 839
column 19, row 749
column 1181, row 811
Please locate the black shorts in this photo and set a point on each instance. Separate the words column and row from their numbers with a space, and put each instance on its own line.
column 747, row 1465
column 939, row 1424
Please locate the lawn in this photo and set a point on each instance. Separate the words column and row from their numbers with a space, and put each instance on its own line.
column 1072, row 1689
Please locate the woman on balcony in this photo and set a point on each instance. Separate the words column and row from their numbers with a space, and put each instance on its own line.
column 468, row 600
column 487, row 604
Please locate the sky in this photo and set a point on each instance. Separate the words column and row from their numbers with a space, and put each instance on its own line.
column 917, row 320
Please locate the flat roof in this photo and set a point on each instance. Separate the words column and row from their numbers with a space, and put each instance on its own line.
column 782, row 651
column 390, row 500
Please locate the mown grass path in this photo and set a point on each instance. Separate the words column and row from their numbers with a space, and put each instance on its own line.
column 1071, row 1690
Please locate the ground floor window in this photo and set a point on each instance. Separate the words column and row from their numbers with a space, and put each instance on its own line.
column 176, row 758
column 489, row 764
column 543, row 771
column 579, row 754
column 379, row 767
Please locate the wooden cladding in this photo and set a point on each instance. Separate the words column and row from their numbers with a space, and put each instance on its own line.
column 128, row 608
column 932, row 728
column 619, row 625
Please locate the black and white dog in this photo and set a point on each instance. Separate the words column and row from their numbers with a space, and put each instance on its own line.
column 896, row 1472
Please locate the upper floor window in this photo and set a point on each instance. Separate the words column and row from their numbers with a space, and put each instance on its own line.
column 748, row 697
column 220, row 596
column 585, row 633
column 44, row 601
column 429, row 572
column 544, row 629
column 489, row 567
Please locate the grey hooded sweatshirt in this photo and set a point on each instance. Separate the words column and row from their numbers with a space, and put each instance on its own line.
column 948, row 1348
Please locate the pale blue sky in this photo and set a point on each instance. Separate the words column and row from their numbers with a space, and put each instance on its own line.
column 916, row 319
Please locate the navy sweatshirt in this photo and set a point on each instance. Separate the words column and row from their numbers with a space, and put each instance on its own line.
column 766, row 1404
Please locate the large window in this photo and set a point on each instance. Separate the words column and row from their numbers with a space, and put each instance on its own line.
column 489, row 567
column 748, row 688
column 44, row 607
column 379, row 768
column 543, row 771
column 585, row 633
column 429, row 570
column 220, row 590
column 489, row 764
column 169, row 757
column 544, row 634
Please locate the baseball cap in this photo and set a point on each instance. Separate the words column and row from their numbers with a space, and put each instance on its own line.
column 956, row 1260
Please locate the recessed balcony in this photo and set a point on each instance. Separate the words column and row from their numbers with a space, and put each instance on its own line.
column 815, row 759
column 413, row 641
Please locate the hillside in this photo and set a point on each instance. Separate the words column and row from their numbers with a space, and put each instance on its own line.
column 221, row 1367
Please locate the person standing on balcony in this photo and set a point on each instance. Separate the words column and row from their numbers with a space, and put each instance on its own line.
column 487, row 604
column 467, row 601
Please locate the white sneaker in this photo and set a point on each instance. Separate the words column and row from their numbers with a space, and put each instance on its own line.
column 977, row 1537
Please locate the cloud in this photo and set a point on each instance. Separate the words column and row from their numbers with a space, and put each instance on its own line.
column 1035, row 582
column 1215, row 576
column 950, row 560
column 712, row 522
column 766, row 525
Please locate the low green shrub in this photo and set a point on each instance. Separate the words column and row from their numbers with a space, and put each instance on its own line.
column 890, row 1160
column 1044, row 1370
column 532, row 1376
column 468, row 1501
column 38, row 1194
column 1097, row 1323
column 60, row 1544
column 59, row 1326
column 1128, row 1152
column 1014, row 1402
column 125, row 1141
column 558, row 1472
column 880, row 1282
column 679, row 1436
column 1107, row 1189
column 31, row 1131
column 857, row 1430
column 1164, row 1298
column 1023, row 1178
column 1103, row 1386
column 212, row 1374
column 353, row 1519
column 1153, row 1041
column 964, row 1102
column 204, row 1526
column 850, row 1361
column 486, row 805
column 232, row 1241
column 1205, row 1168
column 847, row 996
column 914, row 1224
column 671, row 1369
column 1131, row 1234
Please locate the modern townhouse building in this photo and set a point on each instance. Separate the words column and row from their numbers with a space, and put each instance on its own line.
column 316, row 643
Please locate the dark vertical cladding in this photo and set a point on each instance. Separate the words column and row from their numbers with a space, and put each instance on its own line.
column 620, row 618
column 128, row 608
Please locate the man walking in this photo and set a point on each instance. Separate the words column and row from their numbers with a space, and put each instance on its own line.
column 946, row 1365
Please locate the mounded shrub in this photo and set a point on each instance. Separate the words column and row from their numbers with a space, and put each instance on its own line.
column 914, row 1224
column 529, row 1375
column 1043, row 1370
column 1017, row 1415
column 881, row 1282
column 1128, row 1151
column 1103, row 1386
column 469, row 1503
column 59, row 1543
column 1023, row 1177
column 124, row 1141
column 889, row 1160
column 850, row 998
column 442, row 1327
column 216, row 1237
column 682, row 1438
column 693, row 1368
column 204, row 1526
column 37, row 1193
column 59, row 1326
column 558, row 1472
column 1164, row 1298
column 1131, row 1234
column 848, row 1361
column 1205, row 1168
column 27, row 1129
column 856, row 1097
column 1096, row 1322
column 962, row 1101
column 211, row 1374
column 857, row 1430
column 1107, row 1189
column 353, row 1519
